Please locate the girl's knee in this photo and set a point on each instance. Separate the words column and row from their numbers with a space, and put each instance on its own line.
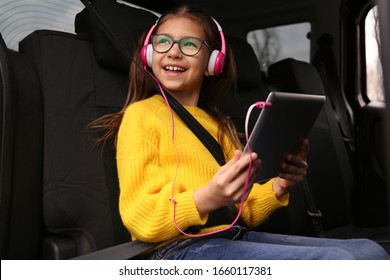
column 370, row 250
column 336, row 254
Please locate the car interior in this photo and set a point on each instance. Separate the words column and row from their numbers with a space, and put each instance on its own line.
column 59, row 189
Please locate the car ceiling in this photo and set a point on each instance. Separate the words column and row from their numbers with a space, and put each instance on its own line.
column 243, row 15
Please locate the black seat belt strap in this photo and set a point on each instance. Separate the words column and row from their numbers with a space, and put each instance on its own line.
column 325, row 58
column 203, row 135
column 312, row 210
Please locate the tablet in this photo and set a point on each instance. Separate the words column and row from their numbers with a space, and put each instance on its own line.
column 280, row 129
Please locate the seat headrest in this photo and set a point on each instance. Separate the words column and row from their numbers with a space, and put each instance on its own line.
column 248, row 69
column 296, row 76
column 127, row 23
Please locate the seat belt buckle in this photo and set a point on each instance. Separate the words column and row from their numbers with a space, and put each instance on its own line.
column 314, row 214
column 316, row 220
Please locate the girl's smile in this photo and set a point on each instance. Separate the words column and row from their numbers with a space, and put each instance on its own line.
column 174, row 70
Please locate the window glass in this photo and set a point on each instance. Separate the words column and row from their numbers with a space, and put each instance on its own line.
column 20, row 18
column 276, row 43
column 374, row 75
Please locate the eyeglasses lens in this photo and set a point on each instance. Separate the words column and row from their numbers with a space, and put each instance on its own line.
column 188, row 45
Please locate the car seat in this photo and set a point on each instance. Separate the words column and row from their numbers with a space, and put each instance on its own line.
column 21, row 157
column 331, row 174
column 251, row 85
column 83, row 76
column 331, row 177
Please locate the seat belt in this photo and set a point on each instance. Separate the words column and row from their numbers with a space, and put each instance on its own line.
column 325, row 58
column 203, row 135
column 312, row 210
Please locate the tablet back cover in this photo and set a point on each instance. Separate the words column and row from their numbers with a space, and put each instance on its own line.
column 280, row 129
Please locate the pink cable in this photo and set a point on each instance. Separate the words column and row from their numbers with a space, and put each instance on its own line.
column 174, row 202
column 247, row 178
column 173, row 139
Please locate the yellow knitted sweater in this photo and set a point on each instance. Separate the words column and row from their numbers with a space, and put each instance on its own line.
column 147, row 164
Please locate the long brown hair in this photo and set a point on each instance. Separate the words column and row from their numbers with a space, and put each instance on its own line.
column 213, row 88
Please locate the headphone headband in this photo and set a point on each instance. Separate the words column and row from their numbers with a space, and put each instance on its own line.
column 216, row 60
column 223, row 43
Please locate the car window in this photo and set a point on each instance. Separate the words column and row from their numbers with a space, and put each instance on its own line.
column 374, row 74
column 20, row 18
column 276, row 43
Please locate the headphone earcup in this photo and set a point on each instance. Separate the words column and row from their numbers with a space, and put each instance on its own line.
column 146, row 55
column 216, row 63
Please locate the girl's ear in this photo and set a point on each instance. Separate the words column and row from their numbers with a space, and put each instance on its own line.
column 206, row 71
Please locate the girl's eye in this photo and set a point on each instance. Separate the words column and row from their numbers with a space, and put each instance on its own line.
column 189, row 43
column 163, row 40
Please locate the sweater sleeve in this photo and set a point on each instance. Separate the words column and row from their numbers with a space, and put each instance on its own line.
column 261, row 203
column 145, row 187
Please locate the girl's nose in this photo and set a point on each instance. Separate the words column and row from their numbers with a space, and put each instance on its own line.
column 175, row 50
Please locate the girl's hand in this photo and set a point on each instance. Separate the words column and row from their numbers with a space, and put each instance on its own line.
column 293, row 170
column 227, row 185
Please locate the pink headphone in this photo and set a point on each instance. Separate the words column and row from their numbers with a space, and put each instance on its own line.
column 216, row 60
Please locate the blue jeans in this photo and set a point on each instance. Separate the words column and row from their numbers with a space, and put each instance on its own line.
column 239, row 243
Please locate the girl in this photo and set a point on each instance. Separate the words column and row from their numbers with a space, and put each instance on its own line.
column 172, row 190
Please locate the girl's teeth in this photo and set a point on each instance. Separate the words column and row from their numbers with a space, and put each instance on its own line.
column 174, row 68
